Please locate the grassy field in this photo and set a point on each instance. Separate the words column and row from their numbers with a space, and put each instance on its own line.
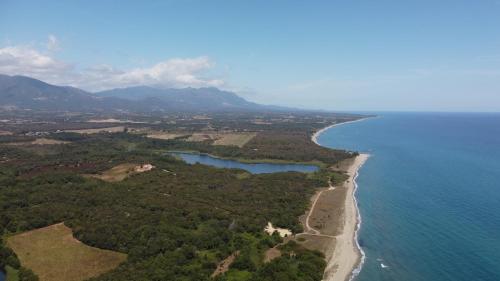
column 55, row 255
column 165, row 136
column 119, row 173
column 223, row 138
column 116, row 129
column 237, row 139
column 11, row 273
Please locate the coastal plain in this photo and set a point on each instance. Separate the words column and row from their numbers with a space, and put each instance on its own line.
column 115, row 187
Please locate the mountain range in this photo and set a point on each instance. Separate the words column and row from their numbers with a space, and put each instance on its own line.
column 21, row 92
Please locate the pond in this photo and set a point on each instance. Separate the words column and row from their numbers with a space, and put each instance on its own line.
column 254, row 168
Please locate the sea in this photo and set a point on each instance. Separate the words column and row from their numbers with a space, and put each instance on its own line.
column 429, row 195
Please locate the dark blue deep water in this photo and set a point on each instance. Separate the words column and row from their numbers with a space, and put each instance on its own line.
column 429, row 196
column 254, row 168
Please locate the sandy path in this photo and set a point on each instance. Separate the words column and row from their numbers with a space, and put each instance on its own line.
column 310, row 229
column 346, row 255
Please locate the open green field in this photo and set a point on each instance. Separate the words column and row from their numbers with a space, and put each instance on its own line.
column 55, row 255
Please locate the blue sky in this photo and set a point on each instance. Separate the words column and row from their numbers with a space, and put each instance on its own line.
column 335, row 55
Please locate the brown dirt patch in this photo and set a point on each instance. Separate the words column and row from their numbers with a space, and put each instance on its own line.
column 327, row 214
column 224, row 265
column 237, row 139
column 165, row 136
column 117, row 129
column 271, row 254
column 55, row 255
column 120, row 172
column 317, row 243
column 41, row 141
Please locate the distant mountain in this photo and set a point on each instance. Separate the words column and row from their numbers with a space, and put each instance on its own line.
column 25, row 92
column 20, row 92
column 190, row 99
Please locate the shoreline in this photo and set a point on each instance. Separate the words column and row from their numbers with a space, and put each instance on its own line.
column 348, row 257
column 314, row 137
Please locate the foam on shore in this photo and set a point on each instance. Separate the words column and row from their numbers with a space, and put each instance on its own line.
column 332, row 263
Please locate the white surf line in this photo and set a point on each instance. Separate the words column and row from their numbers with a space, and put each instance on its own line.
column 315, row 136
column 357, row 270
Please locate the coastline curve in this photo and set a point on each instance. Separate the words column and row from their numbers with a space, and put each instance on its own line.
column 346, row 266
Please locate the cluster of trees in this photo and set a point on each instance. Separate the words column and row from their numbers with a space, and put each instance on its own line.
column 9, row 258
column 175, row 222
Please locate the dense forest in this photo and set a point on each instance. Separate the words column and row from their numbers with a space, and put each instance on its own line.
column 176, row 222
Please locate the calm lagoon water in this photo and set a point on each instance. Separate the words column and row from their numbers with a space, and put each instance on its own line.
column 429, row 196
column 254, row 168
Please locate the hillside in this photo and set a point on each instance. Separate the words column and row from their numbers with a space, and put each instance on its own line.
column 25, row 93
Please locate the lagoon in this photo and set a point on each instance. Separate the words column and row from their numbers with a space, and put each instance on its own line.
column 254, row 168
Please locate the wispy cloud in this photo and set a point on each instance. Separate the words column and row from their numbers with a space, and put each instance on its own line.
column 53, row 43
column 176, row 72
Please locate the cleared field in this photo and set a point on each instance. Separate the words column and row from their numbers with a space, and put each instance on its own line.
column 223, row 138
column 120, row 172
column 55, row 255
column 165, row 136
column 116, row 129
column 237, row 139
column 317, row 243
column 327, row 216
column 41, row 141
column 112, row 120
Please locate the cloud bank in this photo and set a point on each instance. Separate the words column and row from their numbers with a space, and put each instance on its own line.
column 177, row 72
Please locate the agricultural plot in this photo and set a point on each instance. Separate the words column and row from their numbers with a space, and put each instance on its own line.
column 55, row 255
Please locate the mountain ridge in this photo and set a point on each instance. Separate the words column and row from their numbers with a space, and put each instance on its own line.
column 22, row 92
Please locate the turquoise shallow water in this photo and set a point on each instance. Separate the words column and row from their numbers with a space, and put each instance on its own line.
column 429, row 196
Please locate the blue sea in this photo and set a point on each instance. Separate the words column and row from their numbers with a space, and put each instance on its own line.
column 429, row 195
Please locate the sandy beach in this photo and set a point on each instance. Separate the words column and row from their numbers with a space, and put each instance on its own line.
column 347, row 255
column 315, row 136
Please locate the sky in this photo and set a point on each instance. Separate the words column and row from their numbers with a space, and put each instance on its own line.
column 350, row 55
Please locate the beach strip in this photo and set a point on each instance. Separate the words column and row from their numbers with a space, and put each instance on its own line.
column 347, row 258
column 347, row 255
column 315, row 136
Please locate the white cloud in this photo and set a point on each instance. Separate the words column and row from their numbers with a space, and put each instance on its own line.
column 53, row 43
column 177, row 72
column 26, row 60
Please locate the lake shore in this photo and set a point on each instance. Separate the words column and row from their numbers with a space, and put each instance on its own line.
column 345, row 257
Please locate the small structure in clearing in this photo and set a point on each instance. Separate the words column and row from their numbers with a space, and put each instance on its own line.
column 55, row 255
column 283, row 232
column 120, row 172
